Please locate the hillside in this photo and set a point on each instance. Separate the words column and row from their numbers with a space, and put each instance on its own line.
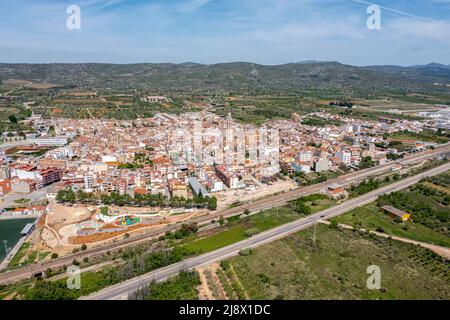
column 240, row 77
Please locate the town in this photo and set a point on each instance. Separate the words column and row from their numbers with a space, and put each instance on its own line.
column 96, row 180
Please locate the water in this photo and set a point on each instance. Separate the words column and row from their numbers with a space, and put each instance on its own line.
column 10, row 231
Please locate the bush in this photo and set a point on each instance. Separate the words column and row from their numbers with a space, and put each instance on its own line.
column 333, row 225
column 54, row 255
column 245, row 252
column 251, row 232
column 83, row 247
column 225, row 265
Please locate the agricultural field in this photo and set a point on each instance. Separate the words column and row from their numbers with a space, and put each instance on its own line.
column 425, row 136
column 258, row 109
column 330, row 263
column 428, row 203
column 318, row 122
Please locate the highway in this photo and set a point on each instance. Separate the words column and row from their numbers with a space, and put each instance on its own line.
column 255, row 206
column 122, row 290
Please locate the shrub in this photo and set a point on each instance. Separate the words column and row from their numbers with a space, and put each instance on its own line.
column 245, row 252
column 251, row 232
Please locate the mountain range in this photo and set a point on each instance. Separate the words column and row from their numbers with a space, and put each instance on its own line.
column 238, row 77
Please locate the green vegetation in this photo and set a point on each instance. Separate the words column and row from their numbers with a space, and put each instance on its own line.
column 139, row 261
column 216, row 241
column 334, row 267
column 140, row 159
column 314, row 177
column 425, row 136
column 114, row 198
column 226, row 284
column 367, row 186
column 311, row 204
column 425, row 210
column 371, row 218
column 16, row 261
column 319, row 122
column 428, row 205
column 181, row 287
column 366, row 163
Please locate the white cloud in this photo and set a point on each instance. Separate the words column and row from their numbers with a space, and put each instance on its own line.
column 432, row 30
column 192, row 5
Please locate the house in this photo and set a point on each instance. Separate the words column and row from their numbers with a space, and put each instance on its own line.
column 5, row 187
column 336, row 191
column 197, row 187
column 396, row 213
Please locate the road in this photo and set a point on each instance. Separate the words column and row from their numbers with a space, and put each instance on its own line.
column 122, row 290
column 255, row 206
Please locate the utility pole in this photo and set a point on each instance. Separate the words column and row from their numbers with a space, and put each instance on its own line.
column 315, row 234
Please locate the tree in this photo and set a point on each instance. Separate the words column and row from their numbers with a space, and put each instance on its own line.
column 301, row 208
column 12, row 119
column 366, row 162
column 333, row 225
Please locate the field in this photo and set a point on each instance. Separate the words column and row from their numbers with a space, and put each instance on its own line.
column 370, row 217
column 335, row 267
column 181, row 287
column 237, row 230
column 427, row 201
column 425, row 136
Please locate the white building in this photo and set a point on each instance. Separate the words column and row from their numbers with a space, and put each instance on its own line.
column 51, row 141
column 344, row 156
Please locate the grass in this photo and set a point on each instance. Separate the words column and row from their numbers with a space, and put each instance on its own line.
column 222, row 239
column 236, row 232
column 335, row 267
column 425, row 136
column 369, row 217
column 181, row 287
column 19, row 255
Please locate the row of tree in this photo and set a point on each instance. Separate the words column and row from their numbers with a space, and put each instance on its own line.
column 152, row 200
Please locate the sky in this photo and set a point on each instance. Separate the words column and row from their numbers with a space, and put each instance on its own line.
column 215, row 31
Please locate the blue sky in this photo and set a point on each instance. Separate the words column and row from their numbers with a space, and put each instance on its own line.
column 213, row 31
